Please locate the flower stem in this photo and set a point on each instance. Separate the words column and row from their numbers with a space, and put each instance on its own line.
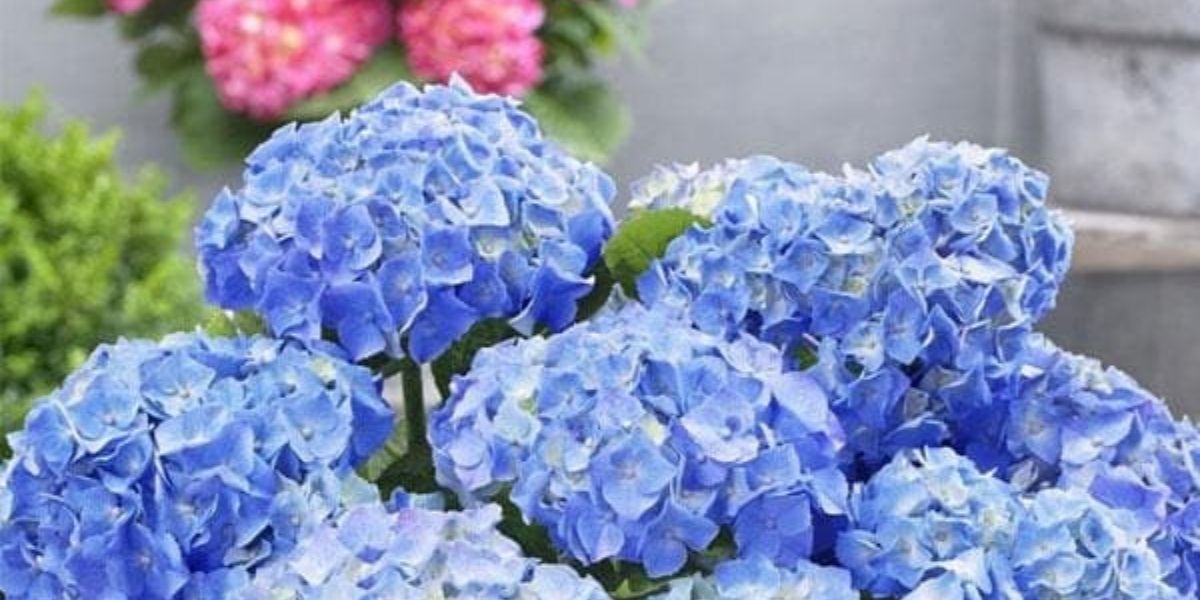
column 414, row 404
column 414, row 470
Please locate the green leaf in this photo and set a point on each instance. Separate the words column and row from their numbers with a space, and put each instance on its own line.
column 584, row 116
column 162, row 63
column 532, row 538
column 384, row 69
column 457, row 360
column 161, row 16
column 626, row 581
column 614, row 28
column 642, row 239
column 226, row 323
column 602, row 287
column 391, row 452
column 805, row 356
column 211, row 136
column 79, row 8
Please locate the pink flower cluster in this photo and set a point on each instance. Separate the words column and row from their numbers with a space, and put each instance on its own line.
column 264, row 55
column 490, row 43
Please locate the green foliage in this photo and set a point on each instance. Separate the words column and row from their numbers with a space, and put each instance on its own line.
column 577, row 33
column 641, row 239
column 85, row 257
column 79, row 8
column 581, row 114
column 384, row 69
column 211, row 136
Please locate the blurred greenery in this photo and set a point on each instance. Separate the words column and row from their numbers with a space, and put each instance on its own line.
column 85, row 256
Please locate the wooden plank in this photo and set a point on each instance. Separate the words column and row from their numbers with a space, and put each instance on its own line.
column 1107, row 242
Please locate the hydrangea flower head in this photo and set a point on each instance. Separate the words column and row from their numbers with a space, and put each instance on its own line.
column 911, row 284
column 930, row 525
column 1150, row 481
column 264, row 55
column 927, row 518
column 633, row 436
column 371, row 551
column 687, row 186
column 1066, row 412
column 755, row 578
column 490, row 43
column 1073, row 423
column 407, row 222
column 1071, row 546
column 160, row 465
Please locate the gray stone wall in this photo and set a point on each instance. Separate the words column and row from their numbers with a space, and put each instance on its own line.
column 820, row 82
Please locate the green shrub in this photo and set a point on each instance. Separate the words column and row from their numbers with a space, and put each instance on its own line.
column 85, row 257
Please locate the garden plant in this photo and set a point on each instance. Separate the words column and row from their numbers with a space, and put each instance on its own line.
column 762, row 382
column 85, row 256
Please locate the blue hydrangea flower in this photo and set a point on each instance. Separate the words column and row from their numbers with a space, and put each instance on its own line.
column 911, row 285
column 636, row 437
column 1167, row 460
column 929, row 518
column 373, row 551
column 686, row 186
column 1071, row 546
column 1066, row 412
column 930, row 525
column 166, row 469
column 1072, row 423
column 1152, row 484
column 402, row 225
column 755, row 578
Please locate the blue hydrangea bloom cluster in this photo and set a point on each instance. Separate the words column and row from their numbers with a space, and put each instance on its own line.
column 928, row 514
column 686, row 186
column 930, row 525
column 633, row 436
column 1072, row 423
column 1166, row 465
column 755, row 578
column 1153, row 483
column 1066, row 412
column 159, row 470
column 912, row 284
column 402, row 225
column 375, row 551
column 1071, row 546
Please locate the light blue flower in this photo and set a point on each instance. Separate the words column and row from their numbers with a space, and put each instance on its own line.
column 633, row 474
column 173, row 469
column 1072, row 546
column 405, row 223
column 934, row 264
column 405, row 550
column 930, row 525
column 672, row 535
column 635, row 437
column 755, row 578
column 926, row 514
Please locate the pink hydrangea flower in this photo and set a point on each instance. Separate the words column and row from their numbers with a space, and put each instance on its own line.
column 127, row 7
column 264, row 55
column 490, row 43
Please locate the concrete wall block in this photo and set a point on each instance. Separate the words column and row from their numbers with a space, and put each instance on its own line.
column 1157, row 18
column 1122, row 123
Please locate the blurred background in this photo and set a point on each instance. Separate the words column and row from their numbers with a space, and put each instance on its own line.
column 1102, row 94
